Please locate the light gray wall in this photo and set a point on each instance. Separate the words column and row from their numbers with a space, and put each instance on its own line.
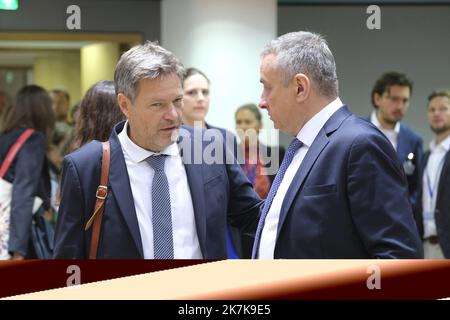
column 413, row 39
column 96, row 16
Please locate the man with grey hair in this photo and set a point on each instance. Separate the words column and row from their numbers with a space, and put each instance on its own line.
column 159, row 205
column 340, row 191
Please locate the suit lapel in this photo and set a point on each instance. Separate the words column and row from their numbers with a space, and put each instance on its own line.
column 194, row 173
column 419, row 204
column 422, row 171
column 311, row 156
column 445, row 168
column 120, row 185
column 402, row 144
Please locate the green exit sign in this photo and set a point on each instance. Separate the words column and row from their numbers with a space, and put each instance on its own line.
column 9, row 4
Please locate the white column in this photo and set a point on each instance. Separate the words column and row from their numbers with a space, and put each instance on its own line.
column 224, row 39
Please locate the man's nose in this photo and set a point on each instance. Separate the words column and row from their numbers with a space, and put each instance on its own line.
column 200, row 95
column 173, row 113
column 263, row 102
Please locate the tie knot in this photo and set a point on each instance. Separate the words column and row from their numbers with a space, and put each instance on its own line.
column 157, row 162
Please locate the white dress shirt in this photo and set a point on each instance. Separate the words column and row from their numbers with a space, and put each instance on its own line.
column 185, row 239
column 306, row 135
column 391, row 134
column 430, row 183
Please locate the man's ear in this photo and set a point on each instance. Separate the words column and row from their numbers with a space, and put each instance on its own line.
column 302, row 86
column 124, row 104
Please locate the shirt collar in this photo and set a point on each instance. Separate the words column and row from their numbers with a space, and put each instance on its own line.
column 139, row 154
column 445, row 144
column 311, row 129
column 376, row 123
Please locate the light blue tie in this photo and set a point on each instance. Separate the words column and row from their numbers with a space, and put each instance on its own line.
column 293, row 147
column 161, row 213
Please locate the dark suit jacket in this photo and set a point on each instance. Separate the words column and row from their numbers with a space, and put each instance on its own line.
column 349, row 198
column 408, row 142
column 30, row 178
column 442, row 213
column 219, row 191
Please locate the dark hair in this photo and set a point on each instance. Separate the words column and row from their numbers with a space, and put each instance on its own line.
column 99, row 112
column 6, row 98
column 388, row 80
column 250, row 107
column 439, row 93
column 192, row 71
column 75, row 108
column 5, row 104
column 32, row 109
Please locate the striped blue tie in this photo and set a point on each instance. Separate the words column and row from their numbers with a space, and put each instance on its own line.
column 162, row 217
column 293, row 147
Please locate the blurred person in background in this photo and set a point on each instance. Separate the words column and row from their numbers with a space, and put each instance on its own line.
column 62, row 132
column 29, row 172
column 391, row 96
column 433, row 199
column 195, row 98
column 99, row 112
column 94, row 119
column 257, row 157
column 74, row 116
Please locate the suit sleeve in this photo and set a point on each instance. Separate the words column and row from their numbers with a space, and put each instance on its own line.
column 28, row 170
column 378, row 199
column 244, row 203
column 69, row 233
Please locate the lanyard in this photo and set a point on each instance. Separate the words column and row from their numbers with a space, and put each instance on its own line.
column 251, row 175
column 432, row 189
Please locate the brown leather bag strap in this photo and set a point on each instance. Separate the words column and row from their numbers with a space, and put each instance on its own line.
column 99, row 208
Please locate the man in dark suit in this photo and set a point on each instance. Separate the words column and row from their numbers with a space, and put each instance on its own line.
column 390, row 98
column 433, row 201
column 166, row 199
column 340, row 191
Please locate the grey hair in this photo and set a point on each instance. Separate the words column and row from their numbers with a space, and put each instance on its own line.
column 308, row 53
column 145, row 61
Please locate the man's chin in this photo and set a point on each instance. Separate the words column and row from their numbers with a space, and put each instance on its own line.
column 395, row 119
column 440, row 129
